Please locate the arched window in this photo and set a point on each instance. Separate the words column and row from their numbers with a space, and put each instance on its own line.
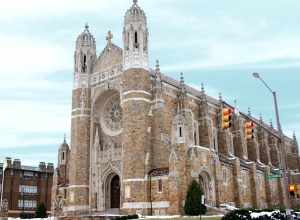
column 84, row 64
column 136, row 40
column 63, row 156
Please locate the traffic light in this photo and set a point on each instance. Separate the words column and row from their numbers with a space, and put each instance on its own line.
column 226, row 117
column 249, row 130
column 292, row 189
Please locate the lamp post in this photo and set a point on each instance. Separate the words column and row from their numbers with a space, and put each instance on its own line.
column 256, row 75
column 286, row 178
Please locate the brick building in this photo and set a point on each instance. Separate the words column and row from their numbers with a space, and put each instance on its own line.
column 139, row 137
column 25, row 187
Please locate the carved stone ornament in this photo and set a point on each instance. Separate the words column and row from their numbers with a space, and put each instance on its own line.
column 112, row 116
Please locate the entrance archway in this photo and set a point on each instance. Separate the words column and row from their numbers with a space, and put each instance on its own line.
column 206, row 188
column 115, row 192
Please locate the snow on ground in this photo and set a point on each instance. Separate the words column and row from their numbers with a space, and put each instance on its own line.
column 258, row 214
column 50, row 218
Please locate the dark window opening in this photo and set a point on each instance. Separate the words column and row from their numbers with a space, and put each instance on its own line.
column 180, row 131
column 63, row 155
column 136, row 40
column 65, row 193
column 84, row 64
column 160, row 187
column 195, row 138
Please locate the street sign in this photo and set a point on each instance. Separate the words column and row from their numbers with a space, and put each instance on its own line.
column 275, row 176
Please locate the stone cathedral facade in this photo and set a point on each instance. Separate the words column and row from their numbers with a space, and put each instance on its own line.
column 138, row 138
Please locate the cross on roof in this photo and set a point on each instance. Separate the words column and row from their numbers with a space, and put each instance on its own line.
column 109, row 37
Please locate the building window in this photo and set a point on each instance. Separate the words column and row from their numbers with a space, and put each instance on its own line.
column 180, row 131
column 65, row 193
column 136, row 40
column 29, row 204
column 160, row 186
column 28, row 189
column 63, row 156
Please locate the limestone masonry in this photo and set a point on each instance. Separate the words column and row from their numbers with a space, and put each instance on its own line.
column 138, row 138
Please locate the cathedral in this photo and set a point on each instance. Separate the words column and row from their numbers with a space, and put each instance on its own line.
column 139, row 137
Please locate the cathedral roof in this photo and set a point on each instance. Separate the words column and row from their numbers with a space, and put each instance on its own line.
column 135, row 13
column 86, row 38
column 64, row 145
column 110, row 56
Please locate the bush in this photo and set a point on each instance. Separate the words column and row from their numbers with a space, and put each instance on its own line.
column 193, row 204
column 125, row 217
column 41, row 211
column 242, row 214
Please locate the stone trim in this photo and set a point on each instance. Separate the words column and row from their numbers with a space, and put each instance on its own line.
column 145, row 205
column 134, row 180
column 136, row 91
column 77, row 186
column 79, row 109
column 81, row 115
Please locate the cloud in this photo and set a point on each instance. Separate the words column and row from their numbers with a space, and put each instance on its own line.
column 15, row 9
column 22, row 57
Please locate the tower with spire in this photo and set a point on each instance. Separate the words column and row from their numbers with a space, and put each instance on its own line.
column 63, row 163
column 135, row 38
column 84, row 60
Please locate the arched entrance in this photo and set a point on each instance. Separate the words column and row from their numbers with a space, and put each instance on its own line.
column 115, row 192
column 206, row 188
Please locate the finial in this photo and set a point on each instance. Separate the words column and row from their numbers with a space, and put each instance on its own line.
column 157, row 68
column 220, row 97
column 135, row 2
column 202, row 88
column 271, row 123
column 249, row 111
column 181, row 78
column 109, row 37
column 86, row 26
column 65, row 138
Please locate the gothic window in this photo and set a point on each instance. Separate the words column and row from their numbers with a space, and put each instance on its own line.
column 63, row 156
column 136, row 40
column 180, row 131
column 160, row 187
column 84, row 64
column 65, row 193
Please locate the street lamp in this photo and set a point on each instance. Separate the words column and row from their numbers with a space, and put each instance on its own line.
column 286, row 178
column 257, row 76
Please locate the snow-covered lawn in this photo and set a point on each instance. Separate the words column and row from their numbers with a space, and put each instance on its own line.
column 50, row 218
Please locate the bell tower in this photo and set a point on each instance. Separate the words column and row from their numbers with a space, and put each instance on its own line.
column 136, row 104
column 135, row 38
column 84, row 58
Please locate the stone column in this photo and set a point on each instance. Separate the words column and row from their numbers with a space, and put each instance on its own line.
column 253, row 184
column 136, row 103
column 78, row 197
column 237, row 182
column 268, row 187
